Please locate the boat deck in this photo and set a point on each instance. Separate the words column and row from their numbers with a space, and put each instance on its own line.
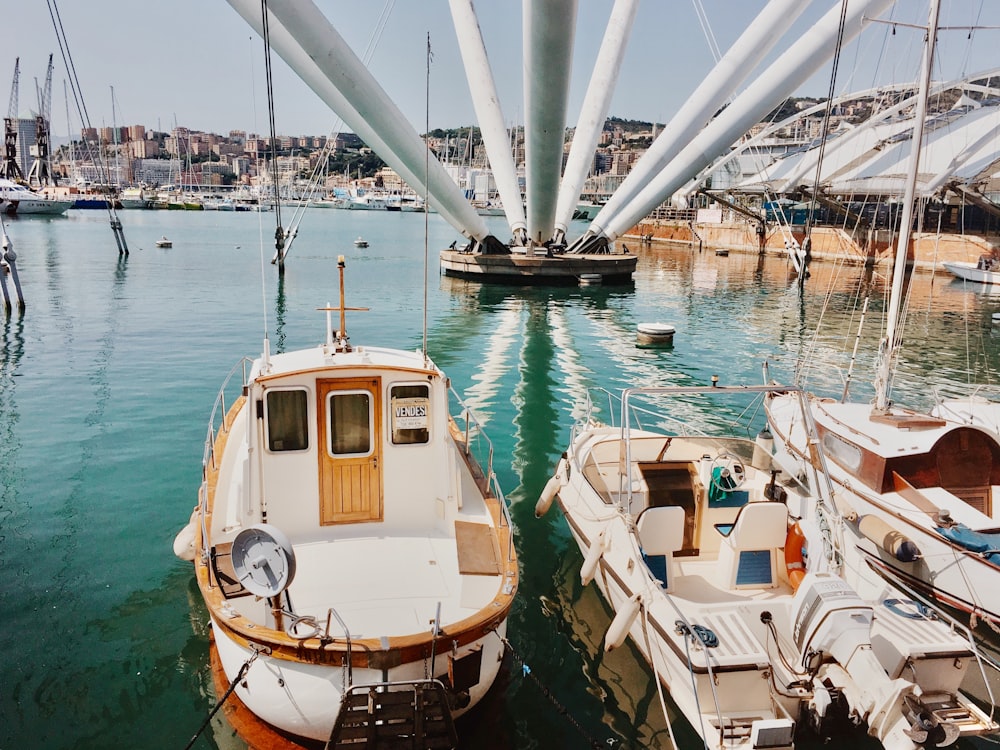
column 386, row 585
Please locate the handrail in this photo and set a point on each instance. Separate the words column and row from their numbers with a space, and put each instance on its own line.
column 473, row 428
column 218, row 414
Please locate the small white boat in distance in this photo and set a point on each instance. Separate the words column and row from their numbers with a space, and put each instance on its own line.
column 360, row 242
column 985, row 271
column 724, row 573
column 355, row 556
column 164, row 242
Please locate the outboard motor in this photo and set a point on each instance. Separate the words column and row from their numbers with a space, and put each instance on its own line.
column 832, row 632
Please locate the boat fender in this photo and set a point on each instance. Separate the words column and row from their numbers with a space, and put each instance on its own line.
column 550, row 491
column 889, row 539
column 184, row 541
column 622, row 623
column 593, row 558
column 795, row 544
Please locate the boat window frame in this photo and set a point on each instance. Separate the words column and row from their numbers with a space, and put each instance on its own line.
column 842, row 451
column 330, row 431
column 306, row 420
column 391, row 417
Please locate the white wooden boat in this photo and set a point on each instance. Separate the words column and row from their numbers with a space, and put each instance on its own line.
column 352, row 551
column 724, row 571
column 985, row 271
column 164, row 242
column 360, row 242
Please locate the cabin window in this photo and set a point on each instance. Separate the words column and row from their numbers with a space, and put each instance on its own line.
column 287, row 421
column 350, row 414
column 410, row 414
column 844, row 453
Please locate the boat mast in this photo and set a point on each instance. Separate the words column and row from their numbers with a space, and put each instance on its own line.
column 889, row 346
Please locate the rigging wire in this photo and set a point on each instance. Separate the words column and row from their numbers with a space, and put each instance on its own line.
column 824, row 134
column 331, row 142
column 74, row 82
column 279, row 230
column 427, row 166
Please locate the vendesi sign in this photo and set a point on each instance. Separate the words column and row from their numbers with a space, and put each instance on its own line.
column 411, row 413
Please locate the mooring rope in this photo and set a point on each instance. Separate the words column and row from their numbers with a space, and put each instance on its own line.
column 526, row 671
column 232, row 686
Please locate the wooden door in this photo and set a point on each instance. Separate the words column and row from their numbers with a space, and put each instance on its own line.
column 350, row 454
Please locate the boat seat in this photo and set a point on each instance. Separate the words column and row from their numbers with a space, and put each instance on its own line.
column 661, row 533
column 748, row 553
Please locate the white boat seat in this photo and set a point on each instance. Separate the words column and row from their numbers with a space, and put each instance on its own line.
column 748, row 553
column 661, row 533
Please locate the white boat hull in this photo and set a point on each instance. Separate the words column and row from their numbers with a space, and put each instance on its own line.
column 305, row 699
column 972, row 272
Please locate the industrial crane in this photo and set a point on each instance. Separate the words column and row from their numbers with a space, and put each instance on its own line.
column 40, row 173
column 9, row 168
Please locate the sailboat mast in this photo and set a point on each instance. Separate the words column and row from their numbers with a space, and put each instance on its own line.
column 889, row 346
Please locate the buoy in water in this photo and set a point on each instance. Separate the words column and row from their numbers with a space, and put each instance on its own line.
column 622, row 623
column 590, row 279
column 592, row 559
column 654, row 333
column 996, row 319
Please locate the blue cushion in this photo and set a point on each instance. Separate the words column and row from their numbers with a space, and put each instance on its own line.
column 754, row 568
column 986, row 544
column 657, row 565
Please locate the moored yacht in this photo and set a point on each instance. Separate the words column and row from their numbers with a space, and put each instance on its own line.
column 351, row 543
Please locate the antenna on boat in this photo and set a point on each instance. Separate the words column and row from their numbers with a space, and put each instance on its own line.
column 427, row 157
column 342, row 342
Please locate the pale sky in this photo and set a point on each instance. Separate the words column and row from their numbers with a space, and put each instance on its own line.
column 198, row 63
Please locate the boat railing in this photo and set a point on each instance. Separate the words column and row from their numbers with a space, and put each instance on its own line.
column 216, row 424
column 479, row 447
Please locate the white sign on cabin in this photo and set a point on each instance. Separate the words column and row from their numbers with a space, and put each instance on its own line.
column 709, row 216
column 410, row 413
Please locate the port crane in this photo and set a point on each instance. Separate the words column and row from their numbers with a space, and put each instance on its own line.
column 9, row 168
column 40, row 173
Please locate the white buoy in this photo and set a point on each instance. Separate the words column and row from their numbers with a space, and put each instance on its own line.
column 996, row 318
column 655, row 333
column 184, row 541
column 549, row 492
column 592, row 559
column 622, row 623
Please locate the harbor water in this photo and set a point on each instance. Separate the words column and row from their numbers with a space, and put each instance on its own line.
column 107, row 378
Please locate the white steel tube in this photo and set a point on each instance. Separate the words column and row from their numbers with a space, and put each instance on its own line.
column 306, row 40
column 798, row 63
column 488, row 110
column 595, row 109
column 549, row 27
column 729, row 72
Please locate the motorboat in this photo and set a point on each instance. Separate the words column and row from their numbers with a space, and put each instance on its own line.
column 19, row 200
column 725, row 572
column 164, row 242
column 351, row 543
column 360, row 242
column 984, row 271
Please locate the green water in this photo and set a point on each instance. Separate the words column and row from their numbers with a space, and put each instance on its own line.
column 107, row 378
